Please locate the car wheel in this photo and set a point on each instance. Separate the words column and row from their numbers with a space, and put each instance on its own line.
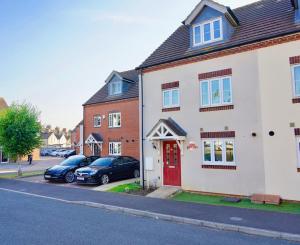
column 69, row 177
column 136, row 173
column 104, row 179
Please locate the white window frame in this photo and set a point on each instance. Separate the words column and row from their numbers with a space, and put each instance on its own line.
column 294, row 80
column 213, row 162
column 119, row 86
column 111, row 122
column 298, row 151
column 221, row 89
column 97, row 117
column 171, row 105
column 201, row 25
column 112, row 148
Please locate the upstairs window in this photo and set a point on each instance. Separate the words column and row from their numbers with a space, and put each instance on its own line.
column 171, row 98
column 116, row 88
column 114, row 120
column 97, row 121
column 208, row 32
column 216, row 92
column 296, row 80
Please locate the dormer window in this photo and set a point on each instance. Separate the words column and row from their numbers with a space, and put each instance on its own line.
column 208, row 32
column 116, row 88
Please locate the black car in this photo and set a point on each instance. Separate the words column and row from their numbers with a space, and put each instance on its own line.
column 65, row 170
column 105, row 169
column 69, row 153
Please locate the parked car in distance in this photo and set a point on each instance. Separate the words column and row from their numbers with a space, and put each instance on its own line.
column 105, row 169
column 65, row 170
column 69, row 153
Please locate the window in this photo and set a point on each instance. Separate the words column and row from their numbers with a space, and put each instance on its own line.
column 207, row 32
column 171, row 98
column 296, row 80
column 216, row 92
column 115, row 88
column 114, row 120
column 115, row 148
column 218, row 152
column 97, row 121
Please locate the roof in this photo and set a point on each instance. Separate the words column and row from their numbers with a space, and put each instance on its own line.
column 271, row 18
column 171, row 124
column 45, row 135
column 3, row 104
column 97, row 137
column 103, row 96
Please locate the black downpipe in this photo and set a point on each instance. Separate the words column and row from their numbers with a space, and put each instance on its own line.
column 142, row 129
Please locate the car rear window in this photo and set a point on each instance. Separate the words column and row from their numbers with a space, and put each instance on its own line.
column 102, row 162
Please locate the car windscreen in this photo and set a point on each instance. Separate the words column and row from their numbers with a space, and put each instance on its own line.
column 102, row 162
column 72, row 161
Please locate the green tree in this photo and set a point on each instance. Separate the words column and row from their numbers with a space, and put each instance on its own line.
column 20, row 130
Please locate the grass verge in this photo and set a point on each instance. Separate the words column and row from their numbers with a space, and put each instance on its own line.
column 126, row 188
column 24, row 175
column 285, row 207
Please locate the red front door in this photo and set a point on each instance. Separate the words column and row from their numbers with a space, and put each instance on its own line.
column 172, row 163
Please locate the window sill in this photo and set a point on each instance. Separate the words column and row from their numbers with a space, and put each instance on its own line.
column 171, row 109
column 217, row 108
column 296, row 100
column 226, row 167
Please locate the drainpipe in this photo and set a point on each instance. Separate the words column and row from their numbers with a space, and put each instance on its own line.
column 142, row 128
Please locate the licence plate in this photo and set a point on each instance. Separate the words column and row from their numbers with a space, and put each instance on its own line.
column 80, row 178
column 48, row 176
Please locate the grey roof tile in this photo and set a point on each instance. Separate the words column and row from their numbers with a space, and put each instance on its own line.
column 261, row 20
column 103, row 96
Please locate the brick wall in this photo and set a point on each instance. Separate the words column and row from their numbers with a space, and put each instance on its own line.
column 128, row 134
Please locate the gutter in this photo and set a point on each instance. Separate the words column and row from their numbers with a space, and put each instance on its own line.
column 142, row 155
column 218, row 49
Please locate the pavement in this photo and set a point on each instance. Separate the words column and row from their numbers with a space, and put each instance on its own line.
column 114, row 184
column 227, row 216
column 39, row 165
column 28, row 220
column 164, row 192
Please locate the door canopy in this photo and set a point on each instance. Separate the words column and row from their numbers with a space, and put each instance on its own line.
column 166, row 129
column 94, row 139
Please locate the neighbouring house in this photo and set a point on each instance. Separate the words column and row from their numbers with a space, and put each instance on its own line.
column 53, row 139
column 3, row 156
column 220, row 97
column 77, row 138
column 111, row 117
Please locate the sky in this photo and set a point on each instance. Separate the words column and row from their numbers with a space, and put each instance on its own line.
column 55, row 54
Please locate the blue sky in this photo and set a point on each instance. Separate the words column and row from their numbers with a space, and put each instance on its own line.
column 55, row 54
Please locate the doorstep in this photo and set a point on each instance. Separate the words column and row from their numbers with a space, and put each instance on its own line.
column 164, row 192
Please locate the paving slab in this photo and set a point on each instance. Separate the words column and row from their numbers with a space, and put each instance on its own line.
column 164, row 192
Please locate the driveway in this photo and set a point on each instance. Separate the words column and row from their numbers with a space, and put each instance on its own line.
column 40, row 165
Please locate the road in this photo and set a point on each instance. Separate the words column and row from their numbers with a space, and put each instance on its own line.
column 34, row 220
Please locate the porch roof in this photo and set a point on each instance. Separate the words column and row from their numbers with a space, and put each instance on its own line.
column 94, row 138
column 166, row 129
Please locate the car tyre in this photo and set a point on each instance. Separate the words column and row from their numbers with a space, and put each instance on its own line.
column 136, row 173
column 104, row 179
column 69, row 177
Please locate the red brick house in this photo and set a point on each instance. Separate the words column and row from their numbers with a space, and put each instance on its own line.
column 77, row 138
column 111, row 117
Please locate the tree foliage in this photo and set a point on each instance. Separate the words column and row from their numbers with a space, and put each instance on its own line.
column 20, row 130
